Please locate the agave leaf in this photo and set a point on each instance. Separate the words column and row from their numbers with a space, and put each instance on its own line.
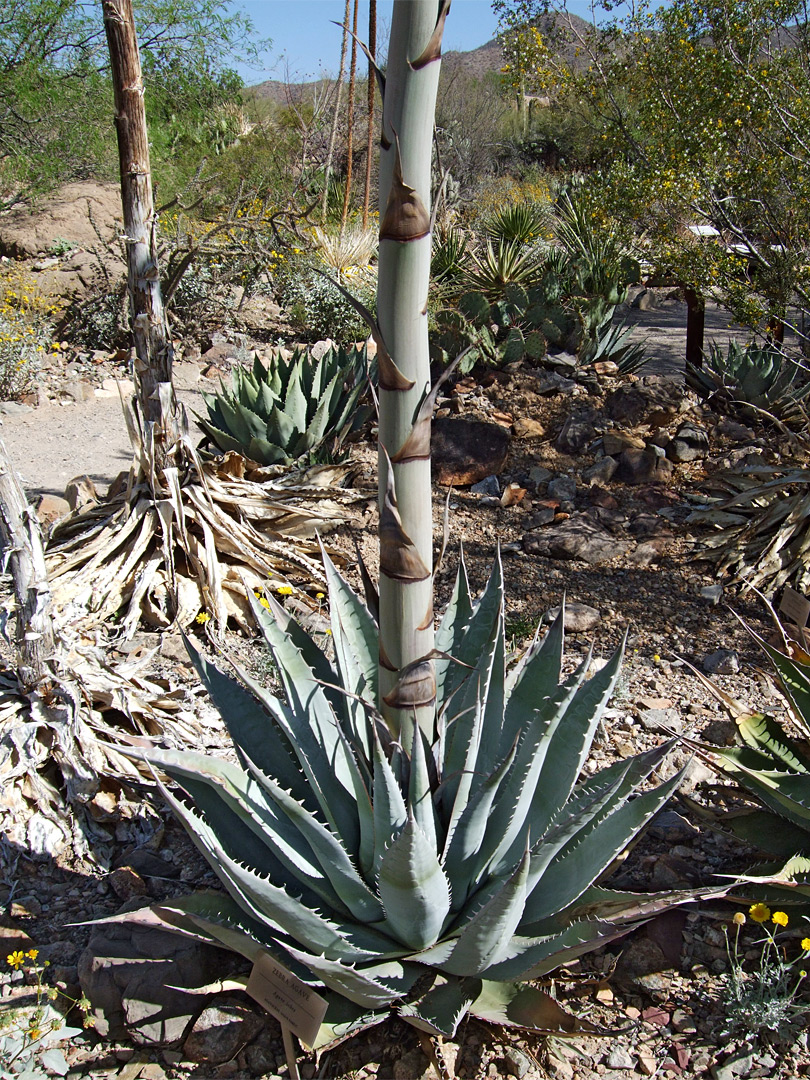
column 581, row 862
column 220, row 437
column 513, row 1005
column 769, row 832
column 292, row 649
column 322, row 420
column 591, row 805
column 251, row 828
column 619, row 906
column 390, row 813
column 420, row 790
column 334, row 801
column 762, row 732
column 219, row 919
column 284, row 425
column 569, row 741
column 295, row 402
column 464, row 842
column 507, row 826
column 413, row 888
column 264, row 452
column 334, row 860
column 450, row 633
column 250, row 725
column 476, row 705
column 269, row 903
column 795, row 680
column 538, row 669
column 356, row 639
column 479, row 638
column 243, row 421
column 443, row 1007
column 535, row 956
column 787, row 794
column 344, row 1019
column 483, row 939
column 374, row 986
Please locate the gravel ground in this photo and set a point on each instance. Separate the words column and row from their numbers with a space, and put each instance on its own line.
column 656, row 997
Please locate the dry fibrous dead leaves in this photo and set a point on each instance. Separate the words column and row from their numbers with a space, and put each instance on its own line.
column 761, row 512
column 196, row 542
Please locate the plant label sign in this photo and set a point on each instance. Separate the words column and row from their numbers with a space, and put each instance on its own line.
column 795, row 606
column 287, row 998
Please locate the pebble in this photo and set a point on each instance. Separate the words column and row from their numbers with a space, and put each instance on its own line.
column 620, row 1058
column 488, row 486
column 712, row 594
column 722, row 662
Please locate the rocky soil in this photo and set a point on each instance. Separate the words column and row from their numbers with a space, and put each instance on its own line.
column 585, row 489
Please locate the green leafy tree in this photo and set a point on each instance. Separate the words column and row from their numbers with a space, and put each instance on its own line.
column 701, row 112
column 54, row 83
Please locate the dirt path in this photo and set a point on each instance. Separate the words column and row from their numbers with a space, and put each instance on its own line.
column 52, row 444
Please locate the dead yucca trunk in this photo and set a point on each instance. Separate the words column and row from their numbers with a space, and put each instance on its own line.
column 153, row 347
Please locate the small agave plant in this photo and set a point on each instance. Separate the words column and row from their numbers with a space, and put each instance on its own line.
column 435, row 875
column 294, row 410
column 774, row 770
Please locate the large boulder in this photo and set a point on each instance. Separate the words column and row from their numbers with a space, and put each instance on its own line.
column 65, row 216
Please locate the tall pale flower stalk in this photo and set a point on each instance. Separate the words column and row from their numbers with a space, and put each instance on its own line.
column 407, row 679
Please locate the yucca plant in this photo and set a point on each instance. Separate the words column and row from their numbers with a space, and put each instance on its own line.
column 500, row 264
column 353, row 246
column 450, row 255
column 755, row 379
column 299, row 409
column 409, row 827
column 523, row 222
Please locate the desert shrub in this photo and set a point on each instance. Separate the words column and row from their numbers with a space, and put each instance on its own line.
column 98, row 320
column 26, row 318
column 307, row 284
column 317, row 308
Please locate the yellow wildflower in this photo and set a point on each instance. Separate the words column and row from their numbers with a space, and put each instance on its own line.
column 34, row 1033
column 16, row 959
column 806, row 944
column 759, row 912
column 779, row 918
column 319, row 595
column 739, row 918
column 284, row 590
column 203, row 618
column 32, row 954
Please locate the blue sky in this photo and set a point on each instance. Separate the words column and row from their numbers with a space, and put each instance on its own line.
column 303, row 33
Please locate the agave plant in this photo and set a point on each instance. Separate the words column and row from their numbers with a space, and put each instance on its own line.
column 409, row 826
column 773, row 767
column 416, row 872
column 774, row 770
column 293, row 410
column 755, row 378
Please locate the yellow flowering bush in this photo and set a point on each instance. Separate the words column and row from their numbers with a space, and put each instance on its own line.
column 31, row 1034
column 26, row 318
column 763, row 1000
